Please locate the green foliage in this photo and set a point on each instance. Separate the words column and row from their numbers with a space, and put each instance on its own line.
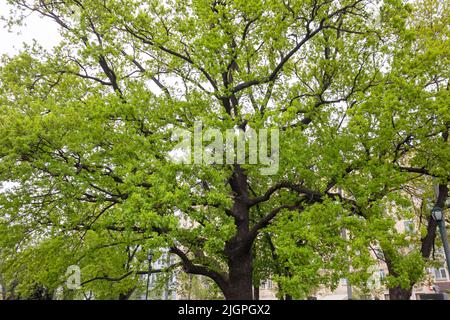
column 359, row 91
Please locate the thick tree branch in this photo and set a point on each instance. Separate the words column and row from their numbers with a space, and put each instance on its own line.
column 265, row 221
column 190, row 267
column 311, row 194
column 129, row 273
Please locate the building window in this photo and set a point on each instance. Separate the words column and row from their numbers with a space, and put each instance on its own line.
column 262, row 285
column 382, row 274
column 440, row 274
column 267, row 284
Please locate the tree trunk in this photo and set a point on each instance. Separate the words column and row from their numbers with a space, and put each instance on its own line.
column 240, row 277
column 256, row 293
column 399, row 293
column 240, row 266
column 239, row 248
column 126, row 295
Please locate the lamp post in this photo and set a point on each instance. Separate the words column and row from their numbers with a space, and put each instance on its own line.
column 149, row 257
column 347, row 280
column 438, row 216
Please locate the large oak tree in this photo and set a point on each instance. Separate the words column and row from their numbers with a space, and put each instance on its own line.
column 86, row 133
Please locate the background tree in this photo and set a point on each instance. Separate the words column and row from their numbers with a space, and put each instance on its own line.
column 412, row 109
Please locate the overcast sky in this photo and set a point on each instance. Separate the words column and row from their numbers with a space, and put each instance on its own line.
column 44, row 31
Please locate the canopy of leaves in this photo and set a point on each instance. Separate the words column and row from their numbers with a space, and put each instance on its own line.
column 359, row 90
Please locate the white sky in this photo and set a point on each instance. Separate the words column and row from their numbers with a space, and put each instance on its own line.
column 44, row 31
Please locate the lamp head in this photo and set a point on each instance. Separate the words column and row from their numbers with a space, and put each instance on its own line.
column 437, row 213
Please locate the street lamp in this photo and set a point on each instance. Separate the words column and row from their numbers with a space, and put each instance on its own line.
column 149, row 258
column 438, row 215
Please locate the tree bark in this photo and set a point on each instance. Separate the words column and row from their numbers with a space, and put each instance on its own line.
column 399, row 293
column 240, row 262
column 238, row 249
column 126, row 295
column 256, row 293
column 240, row 278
